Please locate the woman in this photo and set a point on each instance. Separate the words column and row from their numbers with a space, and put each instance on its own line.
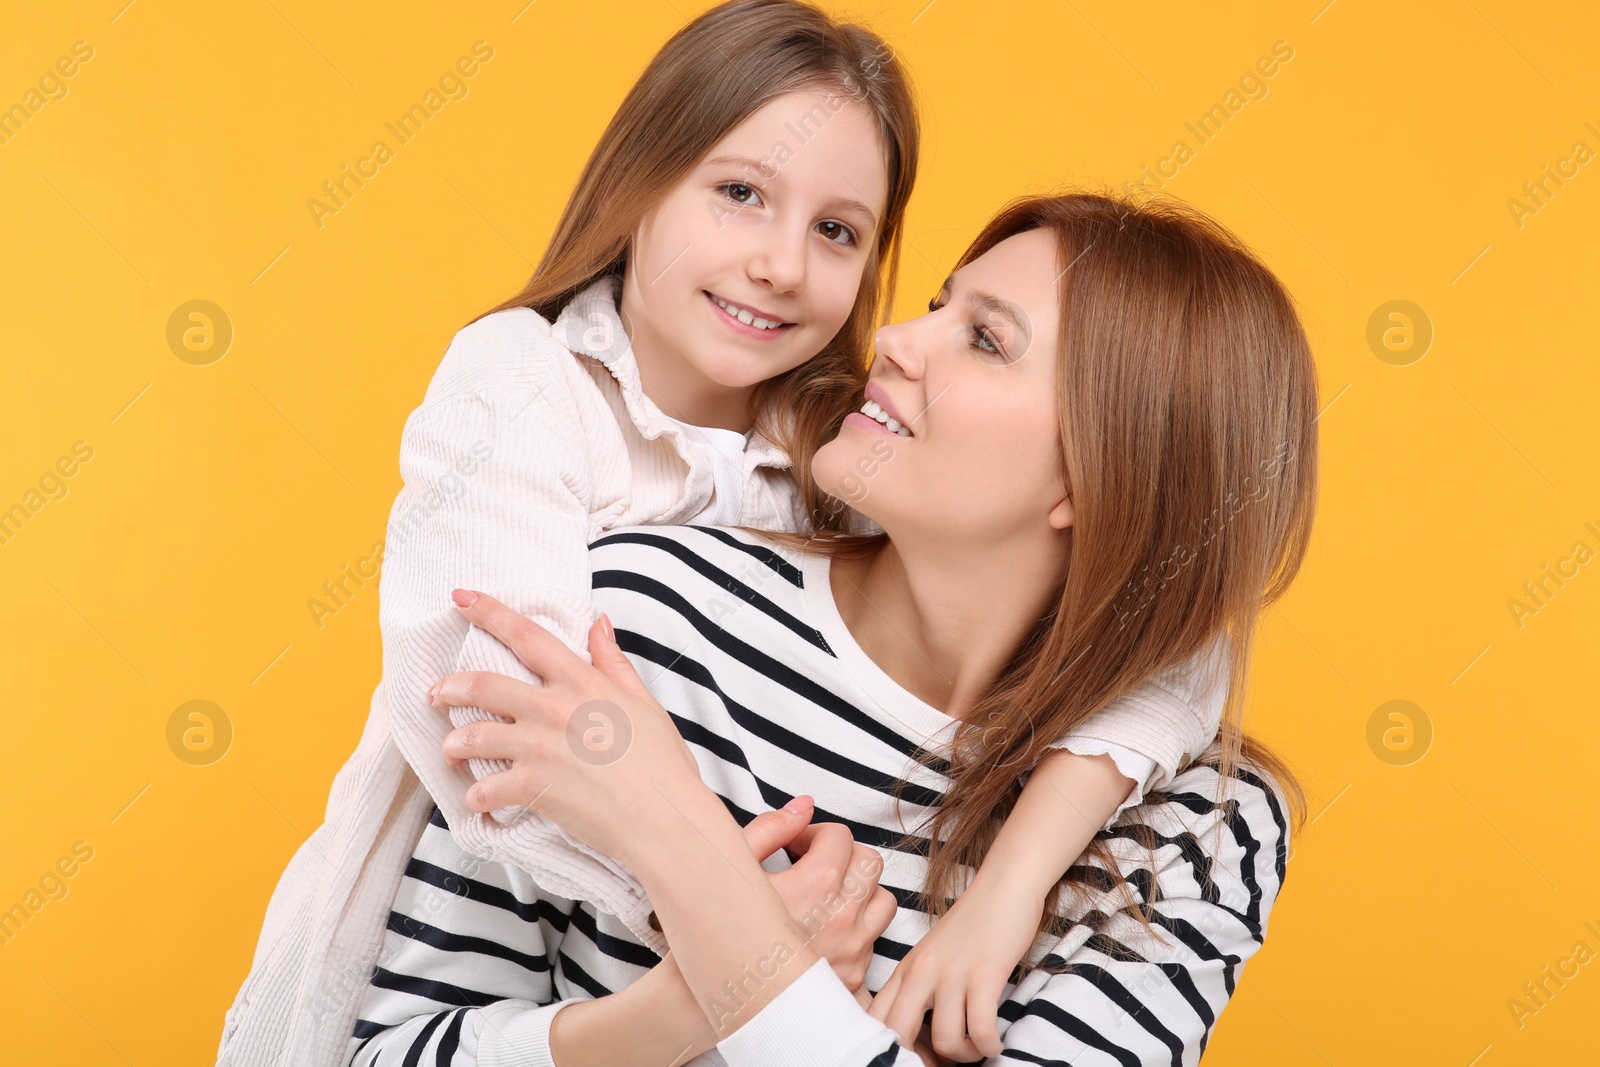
column 1111, row 466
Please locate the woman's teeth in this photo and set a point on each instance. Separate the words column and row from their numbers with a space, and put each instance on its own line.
column 737, row 312
column 873, row 410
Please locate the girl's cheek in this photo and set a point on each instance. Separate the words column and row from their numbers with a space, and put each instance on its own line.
column 841, row 298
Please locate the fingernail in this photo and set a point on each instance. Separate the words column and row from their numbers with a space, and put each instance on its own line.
column 605, row 620
column 798, row 804
column 431, row 688
column 464, row 597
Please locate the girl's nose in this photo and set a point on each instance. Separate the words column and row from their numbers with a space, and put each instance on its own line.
column 780, row 261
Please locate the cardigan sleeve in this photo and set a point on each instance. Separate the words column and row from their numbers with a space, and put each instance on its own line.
column 496, row 497
column 1110, row 992
column 493, row 500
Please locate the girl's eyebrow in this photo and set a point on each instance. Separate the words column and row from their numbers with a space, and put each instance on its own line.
column 762, row 167
column 746, row 162
column 869, row 216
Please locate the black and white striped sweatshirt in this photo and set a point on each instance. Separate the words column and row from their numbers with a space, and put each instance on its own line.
column 744, row 646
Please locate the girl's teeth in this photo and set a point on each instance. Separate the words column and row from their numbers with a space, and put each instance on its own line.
column 746, row 317
column 892, row 424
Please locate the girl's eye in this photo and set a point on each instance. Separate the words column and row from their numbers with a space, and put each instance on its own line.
column 839, row 228
column 740, row 194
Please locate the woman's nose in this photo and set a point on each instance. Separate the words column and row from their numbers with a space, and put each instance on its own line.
column 896, row 342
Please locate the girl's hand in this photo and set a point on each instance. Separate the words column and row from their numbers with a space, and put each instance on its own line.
column 922, row 1047
column 961, row 968
column 831, row 892
column 591, row 749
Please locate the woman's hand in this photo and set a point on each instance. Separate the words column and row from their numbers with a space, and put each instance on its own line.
column 961, row 967
column 591, row 749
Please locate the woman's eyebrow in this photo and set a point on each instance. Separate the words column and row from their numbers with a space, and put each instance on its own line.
column 994, row 305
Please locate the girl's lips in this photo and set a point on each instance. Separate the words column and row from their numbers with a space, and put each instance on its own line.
column 871, row 425
column 751, row 331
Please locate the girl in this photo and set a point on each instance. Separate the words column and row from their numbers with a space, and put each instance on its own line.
column 687, row 337
column 1009, row 520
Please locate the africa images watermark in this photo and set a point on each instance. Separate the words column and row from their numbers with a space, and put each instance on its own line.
column 52, row 486
column 860, row 880
column 1251, row 86
column 52, row 887
column 52, row 87
column 1141, row 592
column 807, row 125
column 1538, row 191
column 1537, row 993
column 1537, row 593
column 340, row 591
column 452, row 85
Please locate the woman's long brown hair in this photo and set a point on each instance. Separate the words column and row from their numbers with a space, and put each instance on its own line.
column 1188, row 402
column 713, row 74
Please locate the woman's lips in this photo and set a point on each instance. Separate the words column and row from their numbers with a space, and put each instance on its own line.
column 870, row 424
column 876, row 393
column 752, row 330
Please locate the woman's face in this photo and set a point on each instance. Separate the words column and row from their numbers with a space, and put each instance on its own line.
column 974, row 380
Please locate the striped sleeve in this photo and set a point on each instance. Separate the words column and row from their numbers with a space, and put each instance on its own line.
column 1110, row 991
column 475, row 963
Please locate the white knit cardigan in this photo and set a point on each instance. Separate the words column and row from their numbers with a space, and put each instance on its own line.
column 534, row 438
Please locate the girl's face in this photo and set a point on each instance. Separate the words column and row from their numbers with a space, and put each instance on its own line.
column 751, row 264
column 975, row 382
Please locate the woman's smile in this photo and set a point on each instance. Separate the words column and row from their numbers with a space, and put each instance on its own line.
column 862, row 421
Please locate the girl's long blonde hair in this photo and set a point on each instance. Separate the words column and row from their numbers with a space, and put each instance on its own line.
column 714, row 73
column 1188, row 401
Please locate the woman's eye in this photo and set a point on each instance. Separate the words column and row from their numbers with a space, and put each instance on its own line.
column 740, row 193
column 933, row 303
column 838, row 229
column 985, row 340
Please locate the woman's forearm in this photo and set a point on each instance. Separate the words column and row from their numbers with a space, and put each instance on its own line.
column 654, row 1022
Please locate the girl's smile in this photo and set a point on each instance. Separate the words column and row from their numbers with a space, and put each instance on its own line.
column 774, row 249
column 747, row 321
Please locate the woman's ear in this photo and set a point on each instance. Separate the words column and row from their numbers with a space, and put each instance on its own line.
column 1062, row 515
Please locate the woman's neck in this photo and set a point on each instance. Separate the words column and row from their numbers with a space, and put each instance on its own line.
column 944, row 622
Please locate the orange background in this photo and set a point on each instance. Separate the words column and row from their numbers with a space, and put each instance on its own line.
column 175, row 564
